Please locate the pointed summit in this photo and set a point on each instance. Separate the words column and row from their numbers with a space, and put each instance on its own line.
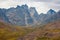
column 25, row 6
column 51, row 12
column 33, row 12
column 18, row 6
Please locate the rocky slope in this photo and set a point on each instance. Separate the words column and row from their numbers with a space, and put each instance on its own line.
column 50, row 31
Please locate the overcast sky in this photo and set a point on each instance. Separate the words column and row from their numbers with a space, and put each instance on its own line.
column 42, row 6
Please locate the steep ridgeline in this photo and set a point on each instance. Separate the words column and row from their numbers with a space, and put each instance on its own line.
column 51, row 16
column 21, row 15
column 34, row 14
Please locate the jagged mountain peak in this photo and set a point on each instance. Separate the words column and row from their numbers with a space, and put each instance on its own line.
column 33, row 9
column 18, row 6
column 22, row 15
column 34, row 12
column 24, row 6
column 51, row 12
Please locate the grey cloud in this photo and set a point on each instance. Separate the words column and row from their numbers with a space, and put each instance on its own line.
column 58, row 2
column 48, row 3
column 53, row 1
column 2, row 0
column 42, row 0
column 53, row 6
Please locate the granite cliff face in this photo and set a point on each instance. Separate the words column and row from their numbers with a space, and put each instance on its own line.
column 3, row 16
column 21, row 15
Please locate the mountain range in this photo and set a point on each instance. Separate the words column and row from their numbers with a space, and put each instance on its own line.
column 24, row 23
column 25, row 16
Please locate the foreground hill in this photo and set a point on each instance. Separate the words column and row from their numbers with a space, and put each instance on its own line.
column 10, row 32
column 50, row 31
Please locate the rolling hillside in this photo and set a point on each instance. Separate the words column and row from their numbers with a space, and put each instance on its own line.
column 50, row 31
column 10, row 32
